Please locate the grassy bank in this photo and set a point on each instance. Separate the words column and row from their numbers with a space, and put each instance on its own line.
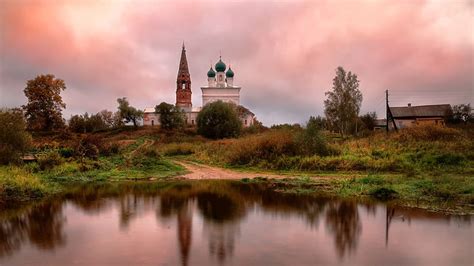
column 113, row 157
column 445, row 193
column 428, row 167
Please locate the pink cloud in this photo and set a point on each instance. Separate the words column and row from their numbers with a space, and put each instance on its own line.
column 283, row 53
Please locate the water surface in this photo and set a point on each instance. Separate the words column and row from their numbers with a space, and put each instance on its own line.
column 225, row 223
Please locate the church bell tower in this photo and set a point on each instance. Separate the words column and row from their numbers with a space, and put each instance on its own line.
column 183, row 83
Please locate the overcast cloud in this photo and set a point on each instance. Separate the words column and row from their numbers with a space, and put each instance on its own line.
column 283, row 53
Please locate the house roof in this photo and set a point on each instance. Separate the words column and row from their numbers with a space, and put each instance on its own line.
column 243, row 111
column 436, row 110
column 149, row 110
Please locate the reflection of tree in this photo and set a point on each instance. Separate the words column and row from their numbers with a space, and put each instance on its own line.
column 222, row 215
column 42, row 225
column 343, row 221
column 221, row 238
column 91, row 203
column 128, row 209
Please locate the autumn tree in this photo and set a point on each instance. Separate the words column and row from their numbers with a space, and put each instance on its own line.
column 343, row 103
column 14, row 139
column 44, row 108
column 171, row 117
column 368, row 121
column 129, row 113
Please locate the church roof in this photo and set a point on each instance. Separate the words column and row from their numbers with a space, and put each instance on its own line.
column 211, row 73
column 220, row 66
column 183, row 70
column 229, row 73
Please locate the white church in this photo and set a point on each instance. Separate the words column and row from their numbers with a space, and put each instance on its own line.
column 220, row 87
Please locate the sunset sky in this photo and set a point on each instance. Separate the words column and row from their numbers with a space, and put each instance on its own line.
column 284, row 53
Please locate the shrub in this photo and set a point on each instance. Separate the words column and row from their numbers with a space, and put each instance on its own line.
column 91, row 146
column 218, row 120
column 383, row 193
column 66, row 152
column 14, row 140
column 311, row 141
column 49, row 160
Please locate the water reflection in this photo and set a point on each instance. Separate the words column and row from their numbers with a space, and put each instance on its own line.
column 222, row 206
column 343, row 222
column 41, row 225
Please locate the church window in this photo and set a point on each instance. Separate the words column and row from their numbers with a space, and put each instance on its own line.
column 152, row 122
column 220, row 78
column 192, row 122
column 184, row 86
column 245, row 121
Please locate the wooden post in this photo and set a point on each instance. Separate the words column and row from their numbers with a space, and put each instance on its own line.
column 386, row 110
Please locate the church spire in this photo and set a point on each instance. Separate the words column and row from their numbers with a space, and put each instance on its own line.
column 183, row 64
column 183, row 82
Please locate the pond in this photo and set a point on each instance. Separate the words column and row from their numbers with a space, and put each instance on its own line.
column 225, row 223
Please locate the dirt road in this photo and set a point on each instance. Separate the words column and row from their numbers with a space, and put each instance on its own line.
column 200, row 171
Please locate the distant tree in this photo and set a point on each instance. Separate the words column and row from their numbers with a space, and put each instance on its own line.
column 368, row 121
column 319, row 122
column 117, row 120
column 91, row 123
column 218, row 120
column 462, row 113
column 14, row 140
column 77, row 124
column 44, row 108
column 107, row 118
column 171, row 117
column 129, row 113
column 311, row 140
column 287, row 126
column 343, row 103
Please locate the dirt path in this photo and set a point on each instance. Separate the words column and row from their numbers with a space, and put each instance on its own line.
column 201, row 171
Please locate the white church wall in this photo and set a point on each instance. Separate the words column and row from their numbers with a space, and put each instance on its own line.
column 151, row 119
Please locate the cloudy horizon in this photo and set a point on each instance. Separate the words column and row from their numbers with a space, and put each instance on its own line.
column 284, row 54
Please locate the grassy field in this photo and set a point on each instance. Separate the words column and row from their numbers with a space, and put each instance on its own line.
column 429, row 167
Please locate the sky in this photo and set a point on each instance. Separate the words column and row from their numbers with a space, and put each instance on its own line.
column 283, row 53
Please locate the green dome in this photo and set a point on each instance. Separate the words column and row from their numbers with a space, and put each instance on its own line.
column 220, row 66
column 229, row 73
column 211, row 73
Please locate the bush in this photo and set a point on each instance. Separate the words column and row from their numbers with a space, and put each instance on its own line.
column 89, row 147
column 383, row 193
column 66, row 152
column 311, row 141
column 14, row 140
column 49, row 160
column 218, row 120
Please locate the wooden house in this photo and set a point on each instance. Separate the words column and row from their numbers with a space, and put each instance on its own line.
column 407, row 116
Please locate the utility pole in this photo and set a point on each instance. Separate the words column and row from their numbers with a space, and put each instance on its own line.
column 386, row 110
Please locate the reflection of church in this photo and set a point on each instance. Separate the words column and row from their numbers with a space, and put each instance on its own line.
column 220, row 88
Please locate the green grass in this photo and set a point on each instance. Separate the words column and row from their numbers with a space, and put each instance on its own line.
column 17, row 184
column 449, row 193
